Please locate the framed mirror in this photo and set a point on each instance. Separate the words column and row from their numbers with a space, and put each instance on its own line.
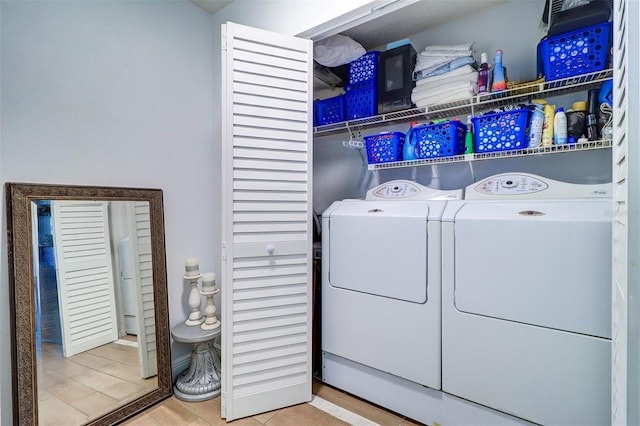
column 90, row 329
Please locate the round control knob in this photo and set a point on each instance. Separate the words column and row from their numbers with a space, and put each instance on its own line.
column 271, row 249
column 509, row 183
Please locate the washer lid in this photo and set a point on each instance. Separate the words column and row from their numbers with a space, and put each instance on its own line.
column 545, row 263
column 380, row 248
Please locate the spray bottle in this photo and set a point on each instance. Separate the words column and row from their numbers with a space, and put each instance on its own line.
column 536, row 124
column 560, row 127
column 499, row 82
column 547, row 127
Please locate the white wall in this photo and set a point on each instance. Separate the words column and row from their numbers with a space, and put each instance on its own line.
column 512, row 26
column 126, row 94
column 114, row 93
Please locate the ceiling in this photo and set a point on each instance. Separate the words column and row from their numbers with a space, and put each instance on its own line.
column 211, row 6
column 414, row 18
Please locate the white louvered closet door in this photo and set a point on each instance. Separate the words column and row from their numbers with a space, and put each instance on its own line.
column 626, row 230
column 266, row 221
column 143, row 271
column 85, row 275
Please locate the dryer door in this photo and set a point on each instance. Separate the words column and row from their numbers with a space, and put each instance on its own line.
column 380, row 248
column 546, row 263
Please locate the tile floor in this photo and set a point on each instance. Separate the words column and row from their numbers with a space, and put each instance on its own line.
column 72, row 390
column 173, row 412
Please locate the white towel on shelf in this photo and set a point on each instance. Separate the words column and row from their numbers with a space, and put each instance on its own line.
column 459, row 74
column 445, row 53
column 450, row 47
column 445, row 97
column 420, row 93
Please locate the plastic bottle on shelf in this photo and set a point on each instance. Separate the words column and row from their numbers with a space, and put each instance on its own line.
column 468, row 139
column 499, row 82
column 536, row 124
column 592, row 114
column 483, row 74
column 560, row 127
column 547, row 127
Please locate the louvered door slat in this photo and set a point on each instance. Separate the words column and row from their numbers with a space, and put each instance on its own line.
column 85, row 276
column 626, row 204
column 266, row 277
column 140, row 231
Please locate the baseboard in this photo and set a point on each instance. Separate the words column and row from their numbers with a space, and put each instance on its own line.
column 180, row 364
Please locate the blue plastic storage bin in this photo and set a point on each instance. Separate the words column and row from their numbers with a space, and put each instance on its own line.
column 361, row 99
column 384, row 147
column 364, row 68
column 502, row 131
column 578, row 52
column 329, row 110
column 438, row 140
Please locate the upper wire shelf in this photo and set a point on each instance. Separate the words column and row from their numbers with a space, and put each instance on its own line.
column 522, row 93
column 583, row 146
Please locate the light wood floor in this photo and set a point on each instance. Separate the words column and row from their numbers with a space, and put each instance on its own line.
column 173, row 412
column 73, row 390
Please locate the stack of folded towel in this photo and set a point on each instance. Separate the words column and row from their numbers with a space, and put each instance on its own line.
column 444, row 74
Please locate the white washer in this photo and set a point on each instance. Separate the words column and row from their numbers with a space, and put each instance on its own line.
column 381, row 281
column 527, row 298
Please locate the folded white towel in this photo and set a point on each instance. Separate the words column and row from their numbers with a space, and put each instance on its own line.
column 446, row 53
column 430, row 63
column 431, row 82
column 467, row 46
column 445, row 97
column 418, row 94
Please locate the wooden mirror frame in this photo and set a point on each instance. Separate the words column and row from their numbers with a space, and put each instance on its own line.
column 21, row 284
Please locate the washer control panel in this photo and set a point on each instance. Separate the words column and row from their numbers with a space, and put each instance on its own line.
column 396, row 189
column 509, row 184
column 406, row 190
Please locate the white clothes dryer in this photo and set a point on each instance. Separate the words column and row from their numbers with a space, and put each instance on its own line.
column 526, row 276
column 381, row 280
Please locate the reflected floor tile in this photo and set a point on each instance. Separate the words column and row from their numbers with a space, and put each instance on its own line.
column 66, row 389
column 54, row 412
column 122, row 391
column 95, row 404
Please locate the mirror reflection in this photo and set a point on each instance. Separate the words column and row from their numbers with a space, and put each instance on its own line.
column 89, row 314
column 95, row 328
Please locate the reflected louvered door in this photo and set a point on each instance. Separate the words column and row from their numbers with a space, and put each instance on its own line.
column 626, row 204
column 266, row 222
column 84, row 274
column 143, row 271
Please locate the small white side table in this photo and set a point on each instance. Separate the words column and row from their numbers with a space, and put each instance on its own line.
column 202, row 380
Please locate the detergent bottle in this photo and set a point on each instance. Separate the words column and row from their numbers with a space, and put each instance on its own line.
column 409, row 146
column 499, row 82
column 468, row 139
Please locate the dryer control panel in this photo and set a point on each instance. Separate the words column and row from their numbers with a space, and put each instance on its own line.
column 526, row 185
column 407, row 190
column 396, row 189
column 511, row 184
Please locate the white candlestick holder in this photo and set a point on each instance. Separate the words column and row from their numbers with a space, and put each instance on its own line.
column 209, row 290
column 194, row 302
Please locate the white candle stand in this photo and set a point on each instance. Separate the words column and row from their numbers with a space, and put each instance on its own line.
column 209, row 290
column 192, row 275
column 194, row 301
